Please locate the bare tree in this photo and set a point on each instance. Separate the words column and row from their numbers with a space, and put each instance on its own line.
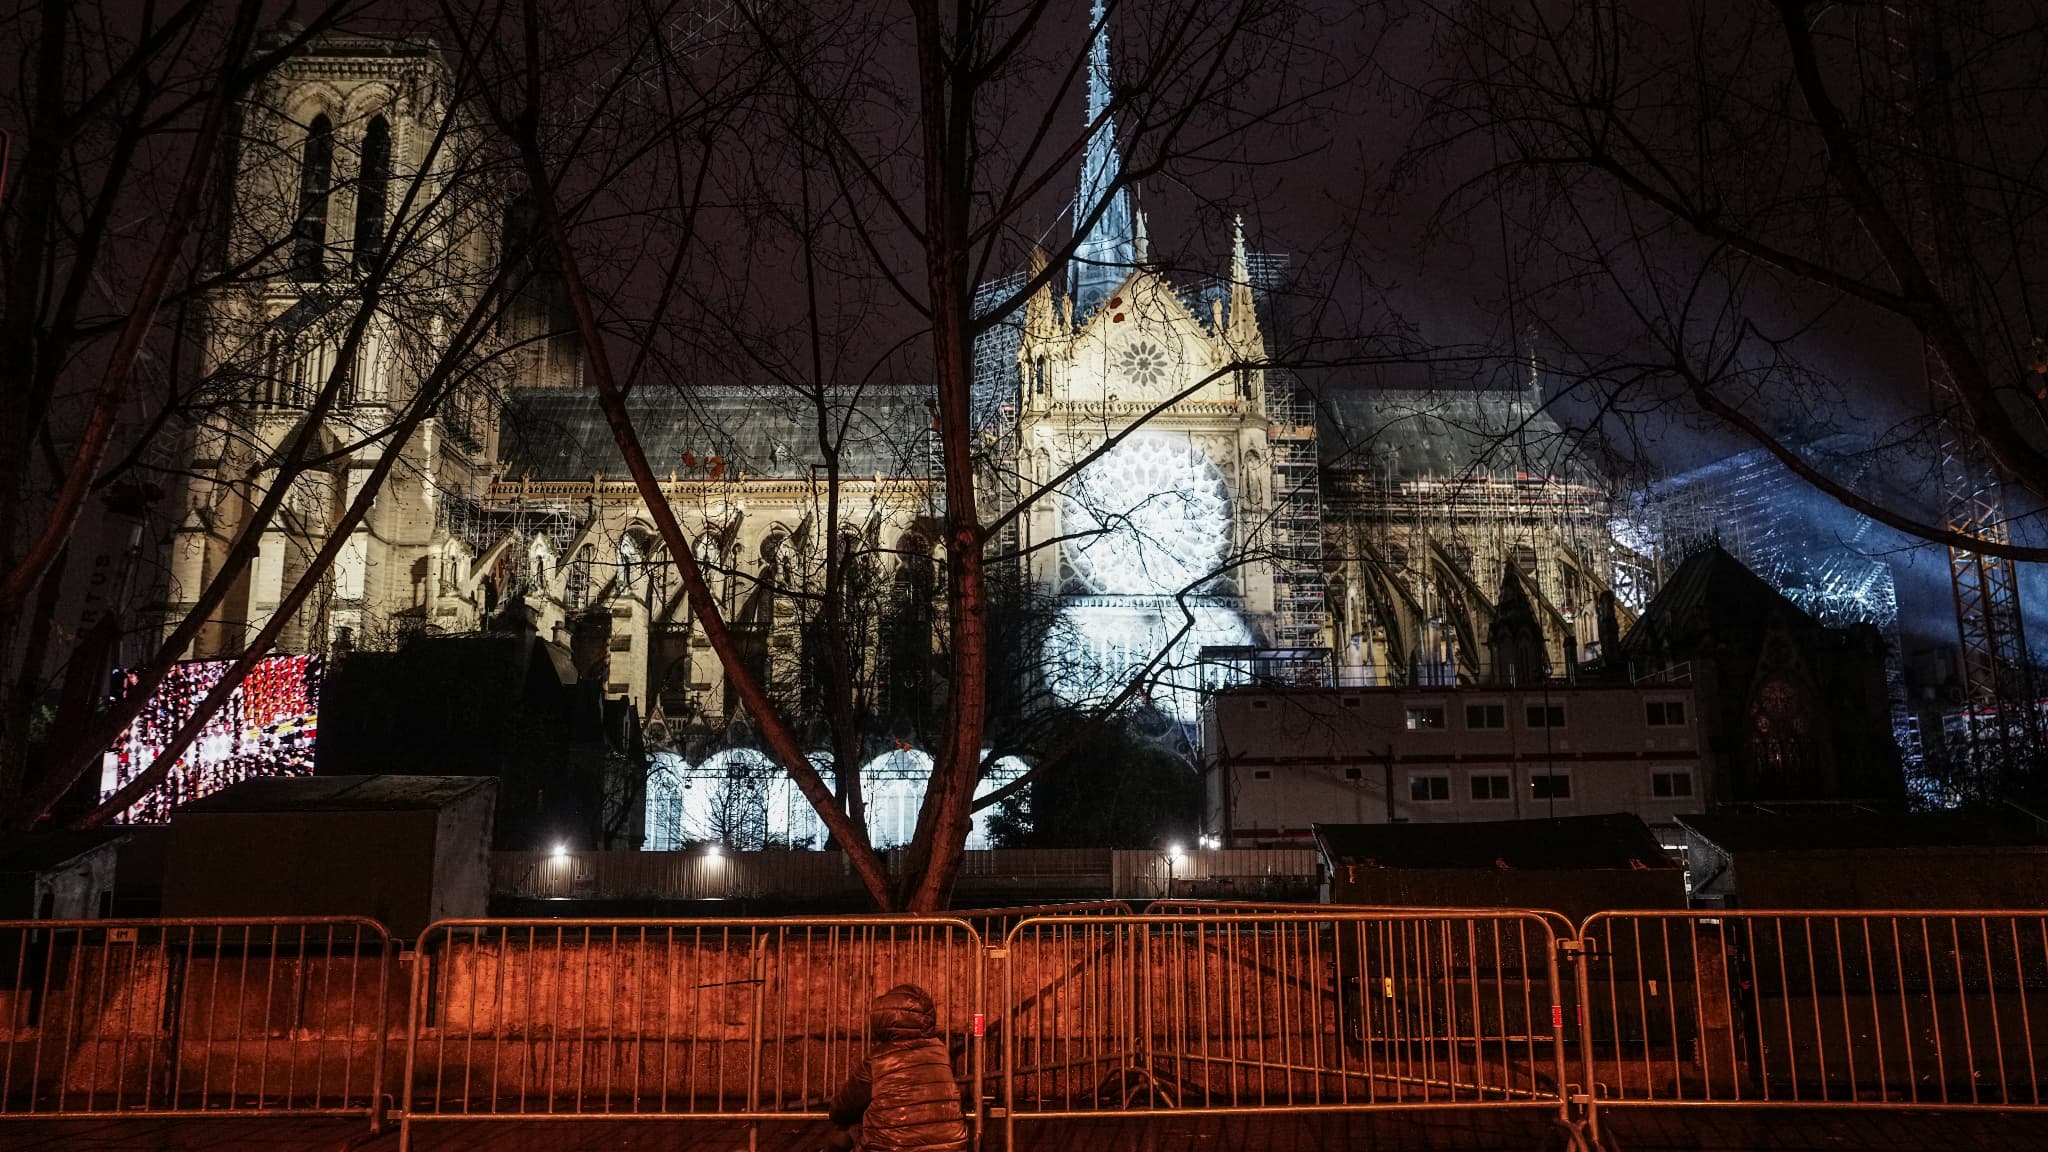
column 1757, row 212
column 859, row 200
column 300, row 368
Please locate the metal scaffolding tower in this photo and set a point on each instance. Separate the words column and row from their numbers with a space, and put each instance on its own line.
column 1297, row 515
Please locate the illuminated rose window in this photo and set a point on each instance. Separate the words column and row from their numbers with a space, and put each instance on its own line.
column 1150, row 517
column 1143, row 361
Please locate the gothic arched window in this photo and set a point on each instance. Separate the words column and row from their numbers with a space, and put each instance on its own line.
column 316, row 178
column 576, row 586
column 665, row 829
column 373, row 186
column 1780, row 733
column 630, row 565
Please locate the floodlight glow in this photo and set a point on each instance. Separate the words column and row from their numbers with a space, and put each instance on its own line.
column 1176, row 852
column 1096, row 649
column 561, row 852
column 714, row 851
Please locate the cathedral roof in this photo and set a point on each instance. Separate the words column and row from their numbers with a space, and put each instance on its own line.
column 555, row 434
column 1399, row 435
column 1711, row 592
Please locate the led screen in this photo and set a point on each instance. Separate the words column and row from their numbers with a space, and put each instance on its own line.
column 266, row 728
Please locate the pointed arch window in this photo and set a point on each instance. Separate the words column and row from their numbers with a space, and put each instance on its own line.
column 576, row 588
column 316, row 178
column 373, row 188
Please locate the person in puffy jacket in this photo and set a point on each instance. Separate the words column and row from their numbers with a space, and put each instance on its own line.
column 903, row 1097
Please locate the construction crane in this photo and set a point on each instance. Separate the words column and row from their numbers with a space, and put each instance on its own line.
column 2001, row 725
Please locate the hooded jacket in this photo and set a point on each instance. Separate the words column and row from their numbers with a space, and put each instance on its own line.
column 903, row 1095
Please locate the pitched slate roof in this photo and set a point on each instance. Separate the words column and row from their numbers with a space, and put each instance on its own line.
column 1397, row 435
column 1709, row 586
column 561, row 434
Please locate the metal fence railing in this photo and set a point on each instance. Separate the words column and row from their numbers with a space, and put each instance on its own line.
column 1291, row 1011
column 1897, row 1009
column 167, row 1017
column 1055, row 1011
column 735, row 1019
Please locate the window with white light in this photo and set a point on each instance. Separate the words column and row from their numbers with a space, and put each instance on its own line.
column 1426, row 718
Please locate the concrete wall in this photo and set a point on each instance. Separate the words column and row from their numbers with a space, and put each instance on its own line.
column 1903, row 878
column 375, row 864
column 462, row 857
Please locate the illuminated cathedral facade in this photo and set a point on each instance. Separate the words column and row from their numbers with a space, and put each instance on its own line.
column 1187, row 511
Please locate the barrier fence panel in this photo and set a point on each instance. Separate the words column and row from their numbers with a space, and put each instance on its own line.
column 1286, row 1011
column 629, row 1019
column 161, row 1017
column 1893, row 1008
column 995, row 923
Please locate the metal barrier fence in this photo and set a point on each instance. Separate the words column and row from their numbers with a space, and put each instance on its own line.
column 1898, row 1009
column 735, row 1019
column 1054, row 1011
column 995, row 923
column 169, row 1017
column 1292, row 1011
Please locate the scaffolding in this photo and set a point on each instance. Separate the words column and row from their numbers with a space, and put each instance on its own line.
column 1299, row 610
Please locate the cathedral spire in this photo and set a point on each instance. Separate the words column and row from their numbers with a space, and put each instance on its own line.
column 1106, row 252
column 1242, row 328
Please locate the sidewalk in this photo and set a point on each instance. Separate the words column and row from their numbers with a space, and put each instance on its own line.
column 1631, row 1130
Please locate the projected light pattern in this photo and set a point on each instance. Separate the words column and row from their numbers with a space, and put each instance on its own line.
column 267, row 727
column 1099, row 648
column 740, row 799
column 1150, row 517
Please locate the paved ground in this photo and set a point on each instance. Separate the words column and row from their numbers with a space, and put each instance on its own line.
column 1636, row 1130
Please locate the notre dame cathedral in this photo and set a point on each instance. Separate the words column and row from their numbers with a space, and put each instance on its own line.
column 1241, row 520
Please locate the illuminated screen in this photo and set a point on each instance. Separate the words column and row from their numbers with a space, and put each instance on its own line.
column 266, row 728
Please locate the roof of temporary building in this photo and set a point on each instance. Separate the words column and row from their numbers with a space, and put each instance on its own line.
column 1866, row 831
column 1571, row 842
column 340, row 794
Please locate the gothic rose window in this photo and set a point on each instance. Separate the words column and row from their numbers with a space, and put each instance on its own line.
column 1150, row 517
column 1780, row 730
column 1143, row 361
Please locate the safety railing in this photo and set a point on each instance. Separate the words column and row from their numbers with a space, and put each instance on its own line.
column 1941, row 1009
column 1291, row 1011
column 1080, row 1010
column 168, row 1017
column 734, row 1019
column 995, row 923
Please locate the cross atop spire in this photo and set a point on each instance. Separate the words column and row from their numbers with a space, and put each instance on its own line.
column 1107, row 251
